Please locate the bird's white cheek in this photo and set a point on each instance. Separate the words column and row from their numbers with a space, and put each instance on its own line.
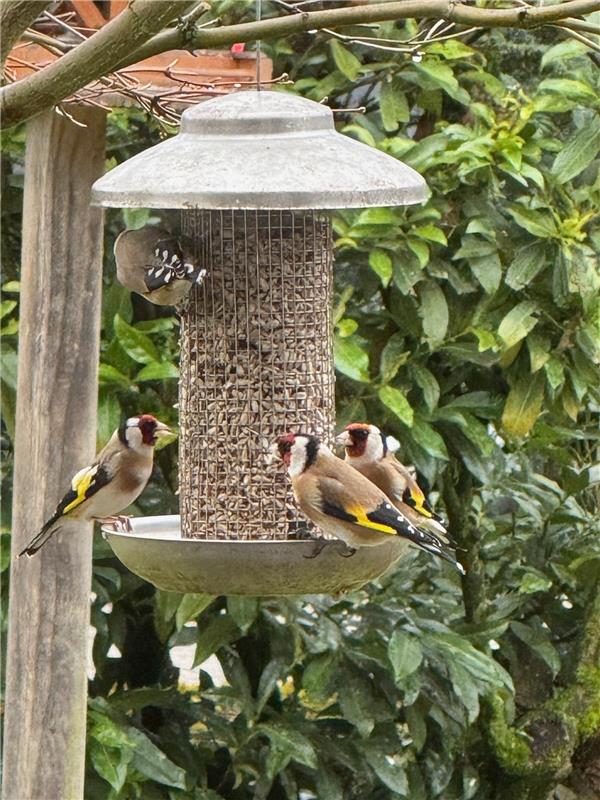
column 374, row 448
column 134, row 438
column 297, row 462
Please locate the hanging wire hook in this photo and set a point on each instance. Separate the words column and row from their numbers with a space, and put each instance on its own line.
column 258, row 48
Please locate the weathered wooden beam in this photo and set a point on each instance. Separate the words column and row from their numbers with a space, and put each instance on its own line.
column 44, row 731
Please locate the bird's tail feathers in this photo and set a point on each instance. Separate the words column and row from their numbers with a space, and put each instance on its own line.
column 48, row 530
column 428, row 541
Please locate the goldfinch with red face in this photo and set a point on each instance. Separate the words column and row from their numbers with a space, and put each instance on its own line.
column 372, row 453
column 114, row 480
column 344, row 503
column 157, row 265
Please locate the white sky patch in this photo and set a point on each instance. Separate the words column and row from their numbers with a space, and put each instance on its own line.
column 90, row 667
column 182, row 656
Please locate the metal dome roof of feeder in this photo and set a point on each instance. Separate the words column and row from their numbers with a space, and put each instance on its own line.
column 260, row 150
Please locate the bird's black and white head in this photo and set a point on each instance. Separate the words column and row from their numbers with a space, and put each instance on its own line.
column 141, row 433
column 365, row 443
column 298, row 451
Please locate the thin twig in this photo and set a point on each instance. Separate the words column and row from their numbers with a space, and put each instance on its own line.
column 579, row 37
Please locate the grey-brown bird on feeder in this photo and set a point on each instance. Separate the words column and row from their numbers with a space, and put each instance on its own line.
column 254, row 174
column 157, row 265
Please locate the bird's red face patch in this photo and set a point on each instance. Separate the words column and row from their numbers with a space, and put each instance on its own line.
column 284, row 446
column 147, row 426
column 359, row 433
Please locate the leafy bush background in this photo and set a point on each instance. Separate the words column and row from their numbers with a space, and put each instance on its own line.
column 469, row 328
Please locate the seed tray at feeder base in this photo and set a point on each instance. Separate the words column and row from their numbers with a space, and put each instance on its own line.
column 156, row 551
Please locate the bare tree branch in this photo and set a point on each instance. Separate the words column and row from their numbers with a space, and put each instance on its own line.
column 15, row 17
column 461, row 13
column 92, row 59
column 130, row 37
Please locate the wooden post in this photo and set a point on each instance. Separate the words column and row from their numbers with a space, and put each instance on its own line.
column 44, row 731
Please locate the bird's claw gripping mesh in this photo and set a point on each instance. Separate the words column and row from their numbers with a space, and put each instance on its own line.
column 256, row 361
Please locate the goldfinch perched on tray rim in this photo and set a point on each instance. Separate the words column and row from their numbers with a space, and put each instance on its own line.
column 344, row 503
column 113, row 481
column 371, row 452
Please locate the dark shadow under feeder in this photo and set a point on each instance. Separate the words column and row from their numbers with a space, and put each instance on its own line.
column 256, row 337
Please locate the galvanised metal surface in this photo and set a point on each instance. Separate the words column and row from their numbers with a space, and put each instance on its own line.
column 156, row 552
column 260, row 150
column 256, row 361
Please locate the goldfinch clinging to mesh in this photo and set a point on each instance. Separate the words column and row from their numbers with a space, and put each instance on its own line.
column 344, row 503
column 372, row 453
column 157, row 265
column 114, row 480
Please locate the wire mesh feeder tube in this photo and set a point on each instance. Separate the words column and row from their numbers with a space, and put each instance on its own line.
column 256, row 361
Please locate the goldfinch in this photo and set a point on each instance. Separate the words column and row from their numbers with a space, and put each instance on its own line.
column 114, row 480
column 344, row 503
column 157, row 265
column 372, row 453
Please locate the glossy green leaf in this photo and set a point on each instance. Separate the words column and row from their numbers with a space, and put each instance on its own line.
column 109, row 415
column 393, row 105
column 517, row 323
column 110, row 764
column 441, row 75
column 381, row 263
column 433, row 311
column 579, row 152
column 243, row 610
column 538, row 641
column 420, row 249
column 574, row 90
column 350, row 358
column 485, row 339
column 213, row 634
column 405, row 654
column 538, row 223
column 108, row 374
column 6, row 306
column 488, row 271
column 136, row 344
column 190, row 607
column 523, row 405
column 569, row 48
column 427, row 382
column 527, row 263
column 539, row 350
column 396, row 401
column 431, row 233
column 346, row 327
column 290, row 741
column 555, row 372
column 388, row 768
column 158, row 371
column 318, row 680
column 429, row 439
column 153, row 763
column 393, row 356
column 347, row 63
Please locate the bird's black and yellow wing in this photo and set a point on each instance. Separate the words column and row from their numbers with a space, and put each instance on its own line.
column 381, row 517
column 84, row 485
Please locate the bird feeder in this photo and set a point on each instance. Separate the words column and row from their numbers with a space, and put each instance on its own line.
column 254, row 174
